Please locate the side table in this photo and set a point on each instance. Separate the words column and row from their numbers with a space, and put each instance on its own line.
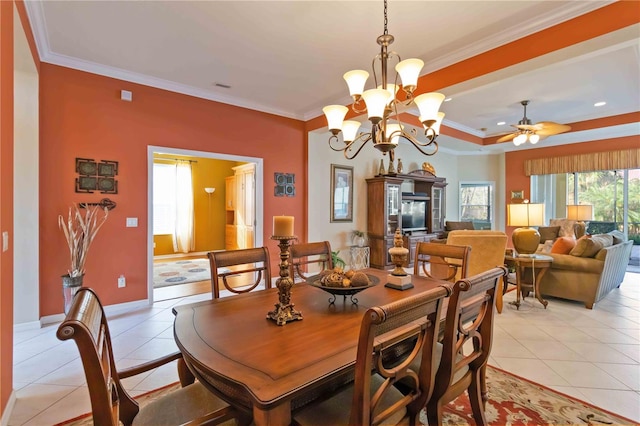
column 529, row 272
column 359, row 257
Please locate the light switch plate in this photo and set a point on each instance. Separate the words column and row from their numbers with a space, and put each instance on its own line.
column 132, row 222
column 5, row 241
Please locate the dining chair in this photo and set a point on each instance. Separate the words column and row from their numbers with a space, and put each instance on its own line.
column 86, row 324
column 463, row 352
column 303, row 254
column 488, row 251
column 239, row 271
column 441, row 261
column 412, row 324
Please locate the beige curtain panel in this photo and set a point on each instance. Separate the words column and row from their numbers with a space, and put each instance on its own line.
column 613, row 160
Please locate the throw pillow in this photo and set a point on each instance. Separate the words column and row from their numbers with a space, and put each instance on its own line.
column 618, row 237
column 566, row 227
column 545, row 248
column 548, row 232
column 458, row 226
column 563, row 245
column 589, row 246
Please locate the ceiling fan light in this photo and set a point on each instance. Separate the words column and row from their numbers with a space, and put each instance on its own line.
column 534, row 138
column 429, row 104
column 520, row 139
column 356, row 80
column 335, row 115
column 393, row 133
column 376, row 100
column 350, row 130
column 409, row 71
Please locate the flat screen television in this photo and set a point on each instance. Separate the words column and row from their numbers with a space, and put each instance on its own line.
column 414, row 215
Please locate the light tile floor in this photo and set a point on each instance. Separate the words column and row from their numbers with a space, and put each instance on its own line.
column 593, row 355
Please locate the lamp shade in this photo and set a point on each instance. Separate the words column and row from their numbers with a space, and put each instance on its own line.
column 429, row 104
column 525, row 214
column 393, row 133
column 356, row 80
column 335, row 115
column 350, row 130
column 392, row 89
column 580, row 212
column 376, row 100
column 409, row 71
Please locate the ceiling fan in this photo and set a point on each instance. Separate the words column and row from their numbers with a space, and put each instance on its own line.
column 533, row 132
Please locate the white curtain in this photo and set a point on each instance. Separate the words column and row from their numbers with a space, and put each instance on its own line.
column 183, row 236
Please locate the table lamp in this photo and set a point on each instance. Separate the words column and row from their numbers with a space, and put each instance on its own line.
column 525, row 240
column 580, row 213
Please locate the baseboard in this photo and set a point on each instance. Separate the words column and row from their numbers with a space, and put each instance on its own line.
column 8, row 409
column 25, row 326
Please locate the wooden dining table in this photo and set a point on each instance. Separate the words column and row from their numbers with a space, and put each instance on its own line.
column 267, row 369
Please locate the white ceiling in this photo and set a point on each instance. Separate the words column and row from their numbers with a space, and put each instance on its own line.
column 288, row 57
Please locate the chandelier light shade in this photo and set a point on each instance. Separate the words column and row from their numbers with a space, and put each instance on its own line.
column 525, row 240
column 381, row 105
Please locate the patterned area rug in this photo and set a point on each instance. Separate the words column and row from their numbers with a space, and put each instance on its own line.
column 512, row 401
column 180, row 272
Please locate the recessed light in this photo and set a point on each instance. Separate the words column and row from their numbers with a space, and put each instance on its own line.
column 501, row 123
column 447, row 100
column 597, row 104
column 222, row 85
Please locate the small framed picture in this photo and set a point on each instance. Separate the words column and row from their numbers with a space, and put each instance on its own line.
column 341, row 193
column 517, row 195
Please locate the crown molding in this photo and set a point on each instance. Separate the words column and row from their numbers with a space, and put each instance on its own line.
column 523, row 29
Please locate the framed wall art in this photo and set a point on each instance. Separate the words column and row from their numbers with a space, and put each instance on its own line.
column 341, row 193
column 96, row 176
column 285, row 184
column 517, row 196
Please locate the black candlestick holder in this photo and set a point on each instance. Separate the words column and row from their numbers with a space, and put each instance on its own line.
column 284, row 311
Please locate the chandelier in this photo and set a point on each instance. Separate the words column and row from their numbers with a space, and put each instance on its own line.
column 381, row 105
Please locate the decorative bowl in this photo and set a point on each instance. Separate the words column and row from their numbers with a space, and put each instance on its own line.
column 314, row 281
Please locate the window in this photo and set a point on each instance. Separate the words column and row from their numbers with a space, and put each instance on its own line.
column 614, row 194
column 164, row 198
column 476, row 203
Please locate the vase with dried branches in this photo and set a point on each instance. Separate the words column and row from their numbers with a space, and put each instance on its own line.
column 79, row 229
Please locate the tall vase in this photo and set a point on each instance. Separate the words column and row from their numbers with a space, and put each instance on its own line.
column 70, row 286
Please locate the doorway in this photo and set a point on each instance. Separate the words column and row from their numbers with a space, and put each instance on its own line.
column 202, row 246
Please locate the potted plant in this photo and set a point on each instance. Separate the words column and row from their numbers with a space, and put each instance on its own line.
column 358, row 237
column 79, row 230
column 337, row 260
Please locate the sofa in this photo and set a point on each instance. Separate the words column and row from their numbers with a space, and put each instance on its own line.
column 589, row 270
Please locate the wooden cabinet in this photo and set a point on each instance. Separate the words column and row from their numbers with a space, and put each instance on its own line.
column 230, row 193
column 240, row 208
column 414, row 203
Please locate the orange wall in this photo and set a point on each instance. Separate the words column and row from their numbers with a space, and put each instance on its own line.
column 82, row 116
column 6, row 200
column 209, row 230
column 514, row 161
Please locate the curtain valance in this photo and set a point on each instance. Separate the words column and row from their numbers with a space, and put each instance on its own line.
column 610, row 160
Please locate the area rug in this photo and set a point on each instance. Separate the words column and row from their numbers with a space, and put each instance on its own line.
column 512, row 401
column 180, row 272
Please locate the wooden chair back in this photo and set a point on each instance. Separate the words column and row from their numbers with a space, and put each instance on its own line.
column 466, row 344
column 239, row 271
column 303, row 254
column 441, row 261
column 111, row 405
column 87, row 325
column 410, row 324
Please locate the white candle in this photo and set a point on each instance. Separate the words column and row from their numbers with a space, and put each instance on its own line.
column 283, row 226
